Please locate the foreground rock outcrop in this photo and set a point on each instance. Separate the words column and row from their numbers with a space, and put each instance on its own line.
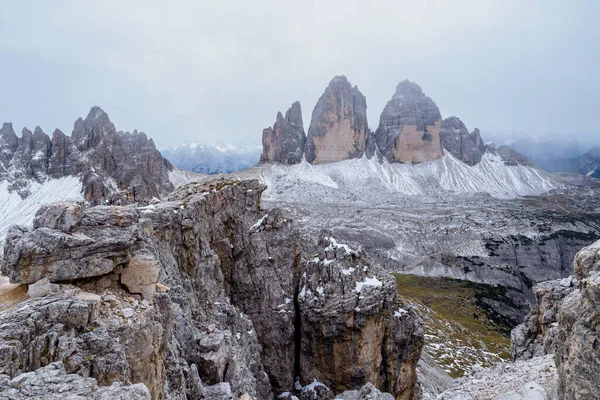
column 537, row 336
column 564, row 324
column 115, row 167
column 578, row 348
column 284, row 142
column 205, row 294
column 409, row 127
column 338, row 129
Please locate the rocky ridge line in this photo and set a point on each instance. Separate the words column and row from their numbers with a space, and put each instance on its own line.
column 115, row 167
column 411, row 131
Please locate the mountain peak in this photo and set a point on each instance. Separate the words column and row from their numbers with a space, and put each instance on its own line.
column 409, row 126
column 409, row 88
column 338, row 129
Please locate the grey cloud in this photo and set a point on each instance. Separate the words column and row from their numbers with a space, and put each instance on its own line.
column 221, row 70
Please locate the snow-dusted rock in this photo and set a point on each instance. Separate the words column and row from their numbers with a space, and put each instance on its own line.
column 531, row 379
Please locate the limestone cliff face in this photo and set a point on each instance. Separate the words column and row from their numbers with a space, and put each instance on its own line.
column 458, row 142
column 409, row 127
column 284, row 142
column 203, row 295
column 369, row 336
column 338, row 130
column 115, row 167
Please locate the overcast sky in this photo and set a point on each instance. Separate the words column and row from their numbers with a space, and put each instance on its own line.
column 220, row 70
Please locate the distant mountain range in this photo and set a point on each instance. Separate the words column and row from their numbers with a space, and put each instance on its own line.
column 212, row 158
column 588, row 164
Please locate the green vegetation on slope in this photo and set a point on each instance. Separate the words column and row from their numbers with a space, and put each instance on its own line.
column 461, row 330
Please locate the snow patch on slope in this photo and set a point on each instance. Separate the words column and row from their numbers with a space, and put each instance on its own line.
column 17, row 211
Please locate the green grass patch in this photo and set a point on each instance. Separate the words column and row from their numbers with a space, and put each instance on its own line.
column 461, row 329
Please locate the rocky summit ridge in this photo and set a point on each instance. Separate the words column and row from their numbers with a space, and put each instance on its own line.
column 411, row 131
column 113, row 166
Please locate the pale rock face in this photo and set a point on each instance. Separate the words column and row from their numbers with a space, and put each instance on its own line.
column 458, row 142
column 284, row 142
column 409, row 127
column 141, row 275
column 338, row 128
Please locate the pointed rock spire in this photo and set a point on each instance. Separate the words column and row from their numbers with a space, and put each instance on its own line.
column 338, row 129
column 284, row 142
column 476, row 137
column 9, row 142
column 458, row 142
column 89, row 132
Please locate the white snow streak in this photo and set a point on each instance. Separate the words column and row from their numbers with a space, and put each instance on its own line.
column 16, row 211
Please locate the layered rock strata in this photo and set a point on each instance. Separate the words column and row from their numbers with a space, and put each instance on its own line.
column 205, row 294
column 338, row 129
column 409, row 127
column 115, row 167
column 284, row 142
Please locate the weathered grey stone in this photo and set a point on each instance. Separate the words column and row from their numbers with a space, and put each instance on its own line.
column 578, row 349
column 458, row 142
column 53, row 383
column 338, row 129
column 367, row 392
column 62, row 216
column 234, row 308
column 537, row 336
column 41, row 288
column 409, row 127
column 220, row 391
column 476, row 137
column 366, row 325
column 509, row 156
column 284, row 142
